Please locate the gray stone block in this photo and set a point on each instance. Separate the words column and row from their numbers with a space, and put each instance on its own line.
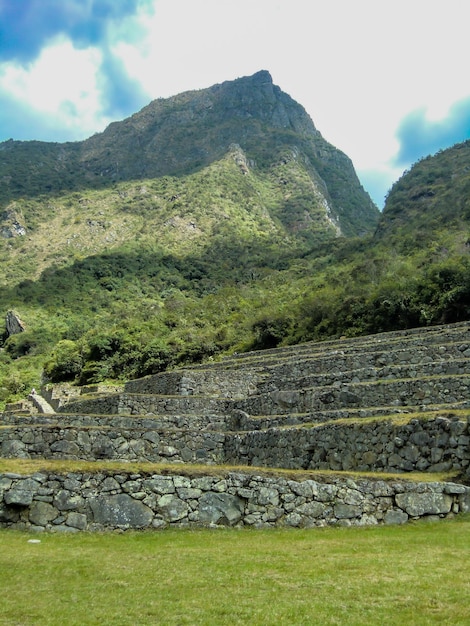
column 428, row 503
column 120, row 511
column 220, row 508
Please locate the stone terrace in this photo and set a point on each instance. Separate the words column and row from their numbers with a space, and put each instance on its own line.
column 394, row 402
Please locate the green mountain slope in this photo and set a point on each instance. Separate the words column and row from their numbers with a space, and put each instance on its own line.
column 432, row 198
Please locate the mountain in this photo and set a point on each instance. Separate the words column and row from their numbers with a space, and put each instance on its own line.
column 215, row 221
column 434, row 195
column 183, row 134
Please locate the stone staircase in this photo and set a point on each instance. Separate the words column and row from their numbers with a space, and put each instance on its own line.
column 394, row 402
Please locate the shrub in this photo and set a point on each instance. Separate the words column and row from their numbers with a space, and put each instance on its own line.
column 66, row 362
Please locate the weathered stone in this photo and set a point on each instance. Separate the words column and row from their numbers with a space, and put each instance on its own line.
column 69, row 448
column 63, row 528
column 428, row 503
column 172, row 508
column 188, row 493
column 453, row 488
column 21, row 494
column 14, row 449
column 369, row 458
column 294, row 519
column 347, row 397
column 220, row 508
column 306, row 488
column 77, row 520
column 41, row 513
column 181, row 481
column 464, row 502
column 395, row 516
column 120, row 511
column 5, row 483
column 410, row 453
column 268, row 495
column 161, row 484
column 67, row 501
column 311, row 509
column 346, row 511
column 13, row 323
column 152, row 437
column 205, row 483
column 167, row 450
column 110, row 484
column 132, row 486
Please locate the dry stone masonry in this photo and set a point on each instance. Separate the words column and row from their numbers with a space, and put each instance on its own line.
column 101, row 501
column 396, row 402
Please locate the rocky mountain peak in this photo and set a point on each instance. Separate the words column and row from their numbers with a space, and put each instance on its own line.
column 182, row 134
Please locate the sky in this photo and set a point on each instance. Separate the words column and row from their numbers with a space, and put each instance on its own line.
column 385, row 81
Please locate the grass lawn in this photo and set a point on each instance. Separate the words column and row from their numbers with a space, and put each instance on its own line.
column 416, row 574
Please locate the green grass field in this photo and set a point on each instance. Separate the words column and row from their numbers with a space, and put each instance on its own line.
column 416, row 574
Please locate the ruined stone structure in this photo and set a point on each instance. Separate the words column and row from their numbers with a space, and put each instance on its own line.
column 396, row 402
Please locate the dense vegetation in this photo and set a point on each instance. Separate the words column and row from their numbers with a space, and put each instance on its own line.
column 142, row 275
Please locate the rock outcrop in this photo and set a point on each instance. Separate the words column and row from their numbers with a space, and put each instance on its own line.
column 13, row 324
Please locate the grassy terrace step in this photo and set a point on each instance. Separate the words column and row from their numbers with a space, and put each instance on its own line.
column 265, row 422
column 428, row 442
column 395, row 392
column 203, row 421
column 236, row 422
column 24, row 467
column 306, row 373
column 374, row 352
column 399, row 392
column 342, row 374
column 382, row 341
column 398, row 419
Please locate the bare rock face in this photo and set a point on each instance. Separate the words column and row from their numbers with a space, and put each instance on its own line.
column 13, row 324
column 11, row 225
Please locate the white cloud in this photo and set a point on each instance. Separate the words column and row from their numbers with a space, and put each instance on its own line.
column 61, row 82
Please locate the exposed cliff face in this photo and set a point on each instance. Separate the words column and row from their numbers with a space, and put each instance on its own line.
column 179, row 135
column 13, row 324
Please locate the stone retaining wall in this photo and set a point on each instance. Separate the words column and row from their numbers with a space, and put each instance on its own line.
column 91, row 444
column 208, row 382
column 126, row 422
column 437, row 445
column 409, row 392
column 432, row 445
column 100, row 501
column 324, row 369
column 141, row 404
column 338, row 372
